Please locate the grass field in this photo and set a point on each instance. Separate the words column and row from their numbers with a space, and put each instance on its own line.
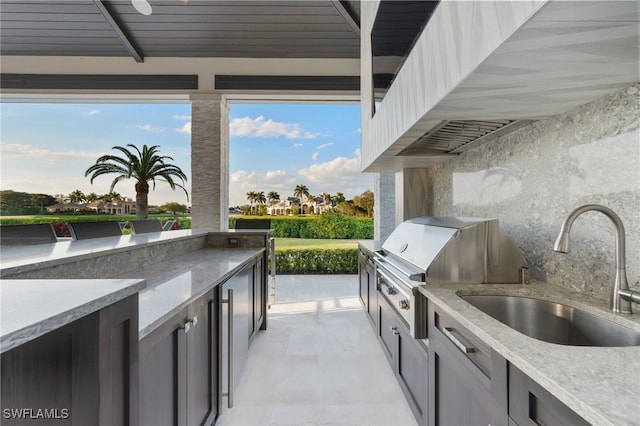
column 301, row 243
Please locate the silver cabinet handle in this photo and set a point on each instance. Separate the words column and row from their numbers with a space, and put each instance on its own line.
column 230, row 354
column 464, row 348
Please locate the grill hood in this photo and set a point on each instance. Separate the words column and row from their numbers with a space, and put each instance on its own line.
column 444, row 250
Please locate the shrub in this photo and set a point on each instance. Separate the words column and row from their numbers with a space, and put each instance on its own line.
column 332, row 224
column 317, row 261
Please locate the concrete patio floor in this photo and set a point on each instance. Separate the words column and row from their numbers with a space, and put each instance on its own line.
column 319, row 363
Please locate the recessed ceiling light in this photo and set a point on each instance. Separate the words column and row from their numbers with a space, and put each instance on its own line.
column 142, row 6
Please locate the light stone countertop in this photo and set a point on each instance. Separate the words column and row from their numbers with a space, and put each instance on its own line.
column 173, row 285
column 369, row 245
column 27, row 258
column 32, row 308
column 600, row 384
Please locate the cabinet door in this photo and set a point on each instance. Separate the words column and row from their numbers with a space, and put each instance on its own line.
column 162, row 374
column 468, row 381
column 201, row 358
column 234, row 351
column 363, row 282
column 412, row 372
column 373, row 292
column 530, row 404
column 387, row 330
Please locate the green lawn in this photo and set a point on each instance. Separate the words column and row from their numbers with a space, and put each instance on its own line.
column 301, row 243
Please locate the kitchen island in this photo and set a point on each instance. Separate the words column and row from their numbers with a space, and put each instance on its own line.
column 182, row 316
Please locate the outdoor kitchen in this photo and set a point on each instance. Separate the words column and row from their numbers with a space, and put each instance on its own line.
column 503, row 283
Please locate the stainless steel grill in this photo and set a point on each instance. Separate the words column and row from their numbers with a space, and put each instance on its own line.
column 438, row 250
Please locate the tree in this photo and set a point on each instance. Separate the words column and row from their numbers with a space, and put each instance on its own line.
column 92, row 196
column 77, row 196
column 260, row 199
column 300, row 191
column 273, row 197
column 174, row 207
column 251, row 197
column 340, row 197
column 107, row 198
column 144, row 166
column 365, row 201
column 326, row 197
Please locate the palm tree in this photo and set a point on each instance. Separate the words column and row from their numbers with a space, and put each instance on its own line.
column 77, row 196
column 260, row 199
column 273, row 197
column 144, row 166
column 251, row 197
column 92, row 196
column 340, row 197
column 107, row 198
column 300, row 191
column 326, row 197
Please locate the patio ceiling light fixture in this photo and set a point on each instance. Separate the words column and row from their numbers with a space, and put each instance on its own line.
column 142, row 6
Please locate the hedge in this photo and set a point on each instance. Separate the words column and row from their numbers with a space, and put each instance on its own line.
column 331, row 225
column 317, row 261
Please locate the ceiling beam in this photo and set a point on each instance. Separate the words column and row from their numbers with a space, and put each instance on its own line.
column 124, row 38
column 343, row 10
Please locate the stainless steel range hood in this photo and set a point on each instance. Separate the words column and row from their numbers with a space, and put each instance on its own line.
column 455, row 136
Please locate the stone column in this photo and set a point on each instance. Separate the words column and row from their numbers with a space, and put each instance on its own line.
column 384, row 205
column 209, row 162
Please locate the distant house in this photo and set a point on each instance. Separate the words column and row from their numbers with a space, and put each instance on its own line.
column 125, row 206
column 284, row 207
column 66, row 207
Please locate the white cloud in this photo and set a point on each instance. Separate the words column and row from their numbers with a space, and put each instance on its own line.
column 260, row 127
column 298, row 145
column 314, row 157
column 182, row 117
column 341, row 174
column 324, row 145
column 186, row 128
column 241, row 181
column 150, row 128
column 16, row 151
column 94, row 112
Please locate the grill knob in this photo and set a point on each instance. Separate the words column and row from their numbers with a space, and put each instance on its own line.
column 391, row 290
column 404, row 304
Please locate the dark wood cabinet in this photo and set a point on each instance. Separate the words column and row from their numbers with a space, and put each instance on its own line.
column 367, row 289
column 85, row 372
column 468, row 380
column 408, row 359
column 530, row 404
column 179, row 369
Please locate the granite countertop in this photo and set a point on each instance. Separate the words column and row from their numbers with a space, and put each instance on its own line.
column 173, row 285
column 600, row 384
column 26, row 258
column 31, row 308
column 369, row 245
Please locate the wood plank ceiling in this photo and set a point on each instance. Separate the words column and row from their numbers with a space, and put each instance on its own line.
column 199, row 28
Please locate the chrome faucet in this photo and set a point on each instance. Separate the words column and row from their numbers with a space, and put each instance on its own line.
column 621, row 296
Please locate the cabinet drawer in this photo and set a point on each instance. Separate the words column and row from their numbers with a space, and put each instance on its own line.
column 530, row 404
column 464, row 341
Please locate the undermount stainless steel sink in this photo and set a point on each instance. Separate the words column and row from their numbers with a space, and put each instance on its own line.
column 554, row 322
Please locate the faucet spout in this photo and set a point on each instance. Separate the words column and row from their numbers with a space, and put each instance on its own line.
column 621, row 286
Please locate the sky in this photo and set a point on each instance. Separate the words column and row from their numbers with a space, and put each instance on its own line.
column 46, row 148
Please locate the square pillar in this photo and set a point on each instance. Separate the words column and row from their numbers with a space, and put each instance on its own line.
column 209, row 162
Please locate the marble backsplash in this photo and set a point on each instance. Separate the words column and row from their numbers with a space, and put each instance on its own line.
column 534, row 177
